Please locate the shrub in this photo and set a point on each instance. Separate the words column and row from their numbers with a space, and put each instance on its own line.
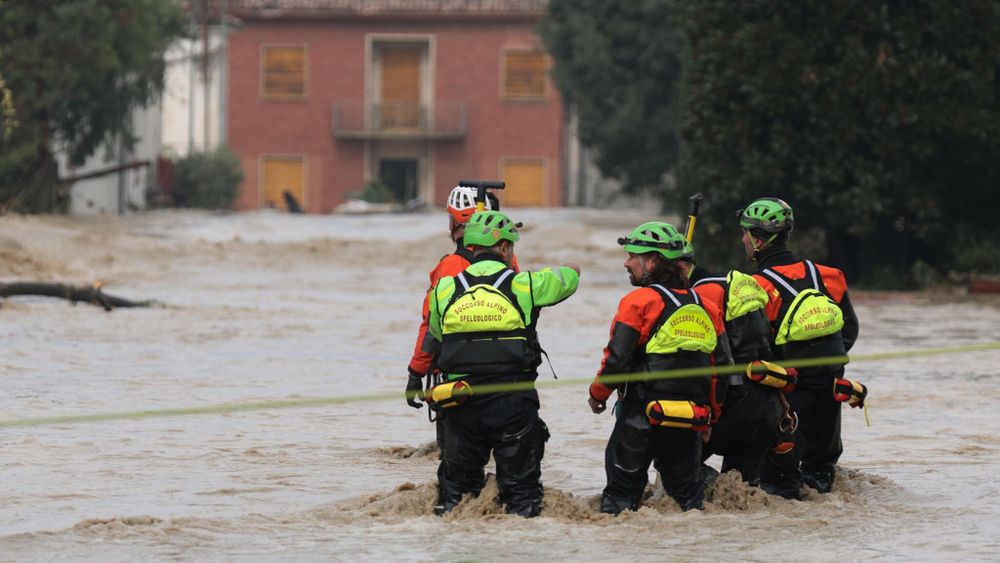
column 373, row 192
column 207, row 180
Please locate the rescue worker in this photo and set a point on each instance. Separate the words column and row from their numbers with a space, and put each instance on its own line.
column 662, row 325
column 483, row 332
column 461, row 205
column 811, row 316
column 755, row 416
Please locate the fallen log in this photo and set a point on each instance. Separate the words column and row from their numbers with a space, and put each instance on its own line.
column 73, row 294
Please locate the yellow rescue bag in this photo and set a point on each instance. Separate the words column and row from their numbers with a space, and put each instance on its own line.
column 851, row 392
column 678, row 414
column 447, row 395
column 772, row 375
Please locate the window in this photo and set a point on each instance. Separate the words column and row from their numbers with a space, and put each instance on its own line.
column 523, row 75
column 400, row 66
column 525, row 179
column 282, row 174
column 283, row 73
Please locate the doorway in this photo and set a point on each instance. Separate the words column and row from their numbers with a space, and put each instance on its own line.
column 399, row 175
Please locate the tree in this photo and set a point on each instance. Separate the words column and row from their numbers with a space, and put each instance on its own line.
column 877, row 121
column 76, row 70
column 618, row 65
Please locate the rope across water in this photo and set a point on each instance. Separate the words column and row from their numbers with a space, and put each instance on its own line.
column 485, row 389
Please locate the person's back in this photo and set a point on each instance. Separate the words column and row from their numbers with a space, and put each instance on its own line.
column 811, row 316
column 755, row 417
column 482, row 325
column 460, row 207
column 663, row 325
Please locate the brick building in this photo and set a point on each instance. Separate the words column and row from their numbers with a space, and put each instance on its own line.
column 326, row 95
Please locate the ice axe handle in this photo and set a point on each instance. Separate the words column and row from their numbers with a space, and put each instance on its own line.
column 481, row 187
column 694, row 202
column 484, row 184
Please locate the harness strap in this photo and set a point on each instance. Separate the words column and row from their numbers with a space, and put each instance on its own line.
column 778, row 278
column 812, row 272
column 496, row 283
column 709, row 280
column 669, row 293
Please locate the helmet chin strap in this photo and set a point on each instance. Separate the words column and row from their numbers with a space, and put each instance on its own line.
column 757, row 248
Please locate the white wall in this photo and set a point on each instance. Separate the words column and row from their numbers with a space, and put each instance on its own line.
column 173, row 125
column 119, row 192
column 183, row 122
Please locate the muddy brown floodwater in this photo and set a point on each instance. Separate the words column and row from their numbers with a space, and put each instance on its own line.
column 264, row 306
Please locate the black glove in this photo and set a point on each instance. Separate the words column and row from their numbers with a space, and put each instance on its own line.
column 415, row 391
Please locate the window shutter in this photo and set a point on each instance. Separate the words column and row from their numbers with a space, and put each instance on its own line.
column 525, row 179
column 285, row 71
column 524, row 74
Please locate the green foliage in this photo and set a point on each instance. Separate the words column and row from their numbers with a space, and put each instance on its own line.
column 8, row 115
column 877, row 121
column 373, row 192
column 75, row 70
column 207, row 180
column 978, row 252
column 618, row 64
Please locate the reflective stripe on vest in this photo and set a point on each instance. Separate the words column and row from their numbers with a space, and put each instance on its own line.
column 687, row 327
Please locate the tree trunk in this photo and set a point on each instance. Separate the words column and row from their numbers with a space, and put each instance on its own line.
column 73, row 294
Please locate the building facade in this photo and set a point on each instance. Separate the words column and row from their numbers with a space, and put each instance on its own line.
column 326, row 96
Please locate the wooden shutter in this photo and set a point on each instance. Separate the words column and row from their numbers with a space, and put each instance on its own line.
column 525, row 180
column 283, row 173
column 524, row 74
column 400, row 85
column 284, row 72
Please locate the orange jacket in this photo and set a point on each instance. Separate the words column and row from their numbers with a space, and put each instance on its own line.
column 631, row 329
column 836, row 285
column 832, row 278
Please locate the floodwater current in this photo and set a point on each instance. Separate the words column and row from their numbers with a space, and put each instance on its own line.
column 263, row 306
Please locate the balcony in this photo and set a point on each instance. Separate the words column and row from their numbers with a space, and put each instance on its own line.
column 442, row 121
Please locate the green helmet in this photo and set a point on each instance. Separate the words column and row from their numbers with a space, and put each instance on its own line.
column 655, row 237
column 768, row 214
column 486, row 228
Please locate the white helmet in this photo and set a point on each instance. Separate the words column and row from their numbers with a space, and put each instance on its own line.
column 462, row 203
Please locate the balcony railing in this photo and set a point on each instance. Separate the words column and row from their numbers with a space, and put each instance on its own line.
column 355, row 119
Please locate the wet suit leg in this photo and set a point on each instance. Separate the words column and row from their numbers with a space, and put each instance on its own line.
column 439, row 430
column 632, row 447
column 464, row 453
column 518, row 443
column 747, row 430
column 823, row 444
column 678, row 460
column 817, row 441
column 779, row 471
column 626, row 460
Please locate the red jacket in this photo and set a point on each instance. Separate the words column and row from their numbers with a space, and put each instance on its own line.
column 631, row 330
column 832, row 278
